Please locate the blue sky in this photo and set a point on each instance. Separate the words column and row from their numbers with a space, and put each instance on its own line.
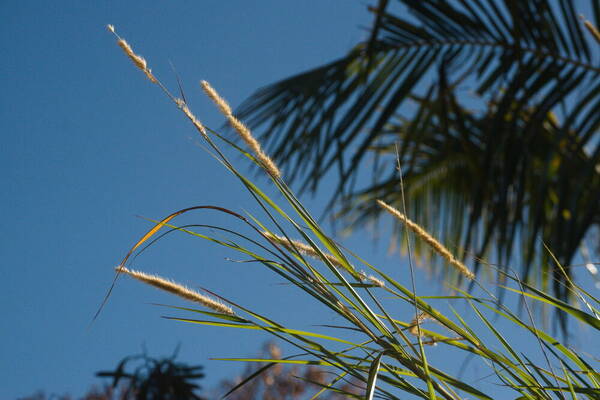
column 89, row 145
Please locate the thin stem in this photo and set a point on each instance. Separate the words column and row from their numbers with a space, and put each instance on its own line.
column 412, row 277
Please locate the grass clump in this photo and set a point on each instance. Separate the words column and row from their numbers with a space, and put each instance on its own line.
column 382, row 317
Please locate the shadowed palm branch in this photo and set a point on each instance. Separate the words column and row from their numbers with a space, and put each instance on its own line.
column 494, row 105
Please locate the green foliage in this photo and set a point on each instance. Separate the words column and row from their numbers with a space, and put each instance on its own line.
column 494, row 104
column 384, row 356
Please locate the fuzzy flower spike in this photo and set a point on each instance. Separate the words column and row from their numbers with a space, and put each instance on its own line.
column 138, row 60
column 430, row 240
column 242, row 130
column 178, row 290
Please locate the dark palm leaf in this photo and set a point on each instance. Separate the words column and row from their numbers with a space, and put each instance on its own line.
column 514, row 160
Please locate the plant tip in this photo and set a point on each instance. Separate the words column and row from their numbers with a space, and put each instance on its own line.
column 427, row 238
column 242, row 130
column 177, row 289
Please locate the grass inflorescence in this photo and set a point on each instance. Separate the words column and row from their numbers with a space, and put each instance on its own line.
column 178, row 290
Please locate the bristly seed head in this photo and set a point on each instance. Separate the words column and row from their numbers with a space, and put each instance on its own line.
column 376, row 281
column 195, row 121
column 415, row 328
column 138, row 60
column 430, row 240
column 418, row 320
column 370, row 278
column 242, row 130
column 216, row 98
column 177, row 289
column 303, row 248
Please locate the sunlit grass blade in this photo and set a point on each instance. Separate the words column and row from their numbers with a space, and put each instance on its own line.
column 372, row 379
column 545, row 298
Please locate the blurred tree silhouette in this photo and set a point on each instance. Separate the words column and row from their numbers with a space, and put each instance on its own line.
column 494, row 105
column 155, row 379
column 144, row 378
column 150, row 379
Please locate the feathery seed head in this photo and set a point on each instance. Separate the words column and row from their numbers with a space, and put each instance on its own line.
column 427, row 238
column 415, row 328
column 370, row 278
column 302, row 248
column 138, row 60
column 375, row 281
column 218, row 100
column 177, row 289
column 414, row 324
column 242, row 130
column 195, row 121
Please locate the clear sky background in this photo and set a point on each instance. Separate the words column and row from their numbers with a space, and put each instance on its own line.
column 88, row 144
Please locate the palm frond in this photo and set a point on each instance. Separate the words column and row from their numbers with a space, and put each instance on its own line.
column 494, row 104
